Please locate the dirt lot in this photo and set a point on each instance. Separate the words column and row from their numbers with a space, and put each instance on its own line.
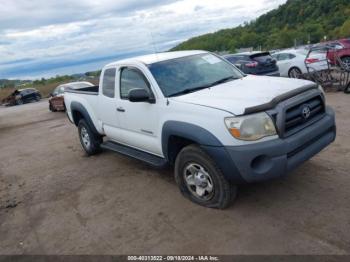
column 54, row 200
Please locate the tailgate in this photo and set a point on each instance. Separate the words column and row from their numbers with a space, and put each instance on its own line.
column 265, row 61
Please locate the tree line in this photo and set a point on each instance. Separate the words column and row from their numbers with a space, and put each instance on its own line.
column 297, row 22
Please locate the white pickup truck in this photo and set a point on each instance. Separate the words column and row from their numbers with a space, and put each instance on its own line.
column 197, row 112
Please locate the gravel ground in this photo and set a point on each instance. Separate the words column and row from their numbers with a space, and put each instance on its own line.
column 54, row 200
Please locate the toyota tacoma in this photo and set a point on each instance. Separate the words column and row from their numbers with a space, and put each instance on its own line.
column 197, row 112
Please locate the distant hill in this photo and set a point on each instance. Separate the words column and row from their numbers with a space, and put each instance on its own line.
column 45, row 86
column 12, row 83
column 296, row 21
column 6, row 83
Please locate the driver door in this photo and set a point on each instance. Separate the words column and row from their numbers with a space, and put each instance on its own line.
column 138, row 120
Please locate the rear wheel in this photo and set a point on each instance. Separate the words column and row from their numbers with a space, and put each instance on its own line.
column 347, row 89
column 346, row 61
column 89, row 141
column 294, row 72
column 201, row 181
column 51, row 108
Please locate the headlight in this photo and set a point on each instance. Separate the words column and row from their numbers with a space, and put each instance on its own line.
column 251, row 127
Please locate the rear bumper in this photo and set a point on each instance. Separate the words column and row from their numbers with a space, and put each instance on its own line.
column 272, row 159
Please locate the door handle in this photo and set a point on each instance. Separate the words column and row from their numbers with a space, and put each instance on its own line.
column 120, row 109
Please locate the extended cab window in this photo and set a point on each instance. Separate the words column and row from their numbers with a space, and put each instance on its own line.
column 131, row 78
column 108, row 86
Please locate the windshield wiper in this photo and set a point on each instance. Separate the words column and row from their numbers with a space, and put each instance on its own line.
column 224, row 80
column 191, row 90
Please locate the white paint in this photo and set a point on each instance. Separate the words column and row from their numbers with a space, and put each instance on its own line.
column 206, row 108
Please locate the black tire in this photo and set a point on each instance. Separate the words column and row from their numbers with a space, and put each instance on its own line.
column 223, row 192
column 346, row 61
column 19, row 102
column 51, row 108
column 294, row 72
column 347, row 89
column 89, row 141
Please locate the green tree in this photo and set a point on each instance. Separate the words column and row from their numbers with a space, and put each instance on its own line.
column 345, row 29
column 299, row 20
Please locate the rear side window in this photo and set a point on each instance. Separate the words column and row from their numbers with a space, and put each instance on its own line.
column 130, row 79
column 26, row 92
column 335, row 45
column 232, row 59
column 282, row 57
column 108, row 86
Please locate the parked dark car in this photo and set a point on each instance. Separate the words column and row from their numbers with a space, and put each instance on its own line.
column 56, row 101
column 22, row 96
column 255, row 63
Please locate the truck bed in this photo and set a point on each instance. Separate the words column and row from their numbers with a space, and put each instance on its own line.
column 90, row 90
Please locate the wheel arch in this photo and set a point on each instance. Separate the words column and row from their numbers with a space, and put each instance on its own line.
column 177, row 135
column 79, row 112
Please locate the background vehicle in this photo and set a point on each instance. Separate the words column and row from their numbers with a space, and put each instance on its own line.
column 254, row 63
column 56, row 101
column 291, row 63
column 22, row 96
column 339, row 48
column 195, row 111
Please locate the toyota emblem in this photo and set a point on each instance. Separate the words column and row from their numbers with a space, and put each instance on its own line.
column 306, row 112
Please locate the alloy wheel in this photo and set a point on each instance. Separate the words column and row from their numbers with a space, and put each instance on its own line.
column 85, row 137
column 198, row 181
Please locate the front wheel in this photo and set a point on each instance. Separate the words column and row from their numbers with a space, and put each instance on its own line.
column 19, row 101
column 200, row 179
column 89, row 141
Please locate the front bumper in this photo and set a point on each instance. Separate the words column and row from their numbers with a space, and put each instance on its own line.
column 275, row 158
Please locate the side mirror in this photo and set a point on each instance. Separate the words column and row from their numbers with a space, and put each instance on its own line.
column 140, row 95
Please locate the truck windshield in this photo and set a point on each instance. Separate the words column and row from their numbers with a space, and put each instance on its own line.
column 192, row 73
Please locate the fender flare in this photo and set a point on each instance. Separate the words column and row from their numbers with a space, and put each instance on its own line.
column 188, row 131
column 78, row 107
column 207, row 141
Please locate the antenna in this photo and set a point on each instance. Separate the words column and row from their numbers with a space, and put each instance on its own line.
column 153, row 44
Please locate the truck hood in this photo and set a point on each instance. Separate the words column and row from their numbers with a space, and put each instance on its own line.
column 238, row 95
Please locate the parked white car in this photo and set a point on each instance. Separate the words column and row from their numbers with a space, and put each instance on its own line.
column 197, row 112
column 294, row 62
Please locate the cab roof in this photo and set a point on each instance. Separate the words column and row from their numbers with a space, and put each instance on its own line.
column 157, row 57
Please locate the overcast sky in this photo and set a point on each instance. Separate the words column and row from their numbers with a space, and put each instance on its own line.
column 43, row 38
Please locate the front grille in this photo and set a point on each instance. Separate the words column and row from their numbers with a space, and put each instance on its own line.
column 301, row 115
